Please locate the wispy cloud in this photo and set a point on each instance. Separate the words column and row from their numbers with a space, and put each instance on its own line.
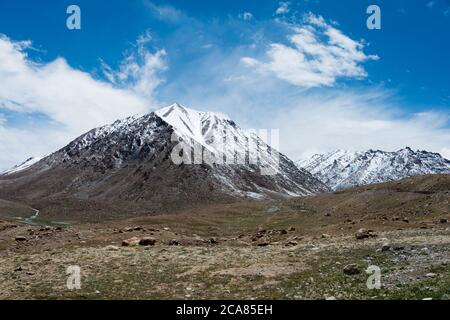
column 446, row 12
column 430, row 4
column 246, row 16
column 140, row 69
column 319, row 54
column 358, row 120
column 166, row 13
column 283, row 8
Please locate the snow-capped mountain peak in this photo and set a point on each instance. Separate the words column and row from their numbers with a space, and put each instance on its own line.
column 24, row 165
column 190, row 122
column 341, row 169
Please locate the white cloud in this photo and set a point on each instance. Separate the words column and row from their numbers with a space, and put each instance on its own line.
column 140, row 69
column 72, row 100
column 358, row 120
column 430, row 4
column 319, row 54
column 166, row 12
column 246, row 16
column 283, row 7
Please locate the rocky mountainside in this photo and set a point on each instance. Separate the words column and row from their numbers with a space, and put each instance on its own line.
column 127, row 167
column 342, row 169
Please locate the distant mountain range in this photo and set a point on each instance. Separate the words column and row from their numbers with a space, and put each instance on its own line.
column 342, row 169
column 127, row 167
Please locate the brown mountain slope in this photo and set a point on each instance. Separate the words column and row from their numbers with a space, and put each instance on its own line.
column 126, row 169
column 411, row 200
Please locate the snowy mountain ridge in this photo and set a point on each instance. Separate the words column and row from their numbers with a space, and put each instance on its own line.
column 342, row 169
column 24, row 165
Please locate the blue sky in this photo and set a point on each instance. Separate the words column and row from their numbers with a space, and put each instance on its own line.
column 384, row 89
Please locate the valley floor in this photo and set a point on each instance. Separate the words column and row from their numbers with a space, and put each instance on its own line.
column 301, row 248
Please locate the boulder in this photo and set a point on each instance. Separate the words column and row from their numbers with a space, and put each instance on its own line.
column 385, row 247
column 263, row 244
column 364, row 234
column 134, row 241
column 291, row 244
column 351, row 269
column 213, row 241
column 147, row 241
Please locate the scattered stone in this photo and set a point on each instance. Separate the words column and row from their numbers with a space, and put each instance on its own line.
column 291, row 244
column 327, row 214
column 147, row 241
column 19, row 268
column 134, row 241
column 443, row 220
column 112, row 248
column 283, row 231
column 385, row 247
column 213, row 241
column 330, row 298
column 20, row 238
column 406, row 220
column 431, row 275
column 166, row 229
column 291, row 229
column 427, row 299
column 364, row 234
column 263, row 244
column 174, row 242
column 351, row 269
column 325, row 236
column 273, row 209
column 398, row 247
